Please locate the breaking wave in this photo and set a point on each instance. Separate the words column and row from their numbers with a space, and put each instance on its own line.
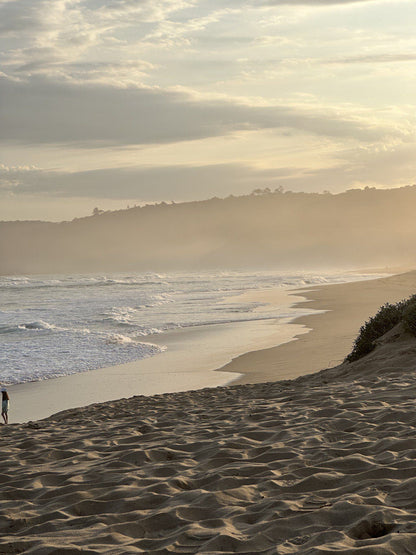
column 53, row 326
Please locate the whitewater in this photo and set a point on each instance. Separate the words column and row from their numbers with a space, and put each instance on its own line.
column 53, row 326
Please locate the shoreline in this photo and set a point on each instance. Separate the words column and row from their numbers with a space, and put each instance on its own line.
column 191, row 361
column 344, row 309
column 311, row 343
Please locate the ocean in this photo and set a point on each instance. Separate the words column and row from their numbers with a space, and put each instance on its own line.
column 56, row 325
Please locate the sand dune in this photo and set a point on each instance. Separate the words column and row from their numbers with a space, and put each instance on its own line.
column 322, row 464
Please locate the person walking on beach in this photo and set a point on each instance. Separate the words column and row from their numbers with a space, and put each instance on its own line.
column 5, row 405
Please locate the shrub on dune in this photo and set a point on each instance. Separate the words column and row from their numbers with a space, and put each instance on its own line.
column 388, row 316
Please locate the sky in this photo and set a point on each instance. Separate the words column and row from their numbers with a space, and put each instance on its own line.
column 113, row 103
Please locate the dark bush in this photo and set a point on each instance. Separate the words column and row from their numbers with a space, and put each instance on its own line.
column 386, row 318
column 409, row 316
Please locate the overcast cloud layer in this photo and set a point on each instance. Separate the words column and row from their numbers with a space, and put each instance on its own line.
column 149, row 100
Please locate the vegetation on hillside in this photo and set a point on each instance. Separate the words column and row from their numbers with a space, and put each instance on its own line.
column 388, row 316
column 267, row 229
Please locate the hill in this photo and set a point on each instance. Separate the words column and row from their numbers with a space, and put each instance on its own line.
column 281, row 229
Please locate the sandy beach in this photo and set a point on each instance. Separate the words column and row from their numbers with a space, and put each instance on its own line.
column 324, row 463
column 321, row 464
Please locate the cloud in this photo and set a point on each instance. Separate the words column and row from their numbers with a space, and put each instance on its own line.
column 37, row 15
column 55, row 35
column 384, row 58
column 314, row 2
column 20, row 15
column 359, row 167
column 377, row 167
column 65, row 38
column 145, row 184
column 39, row 111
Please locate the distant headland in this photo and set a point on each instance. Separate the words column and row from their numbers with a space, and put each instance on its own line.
column 357, row 228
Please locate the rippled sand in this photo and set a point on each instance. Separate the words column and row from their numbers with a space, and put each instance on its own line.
column 322, row 464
